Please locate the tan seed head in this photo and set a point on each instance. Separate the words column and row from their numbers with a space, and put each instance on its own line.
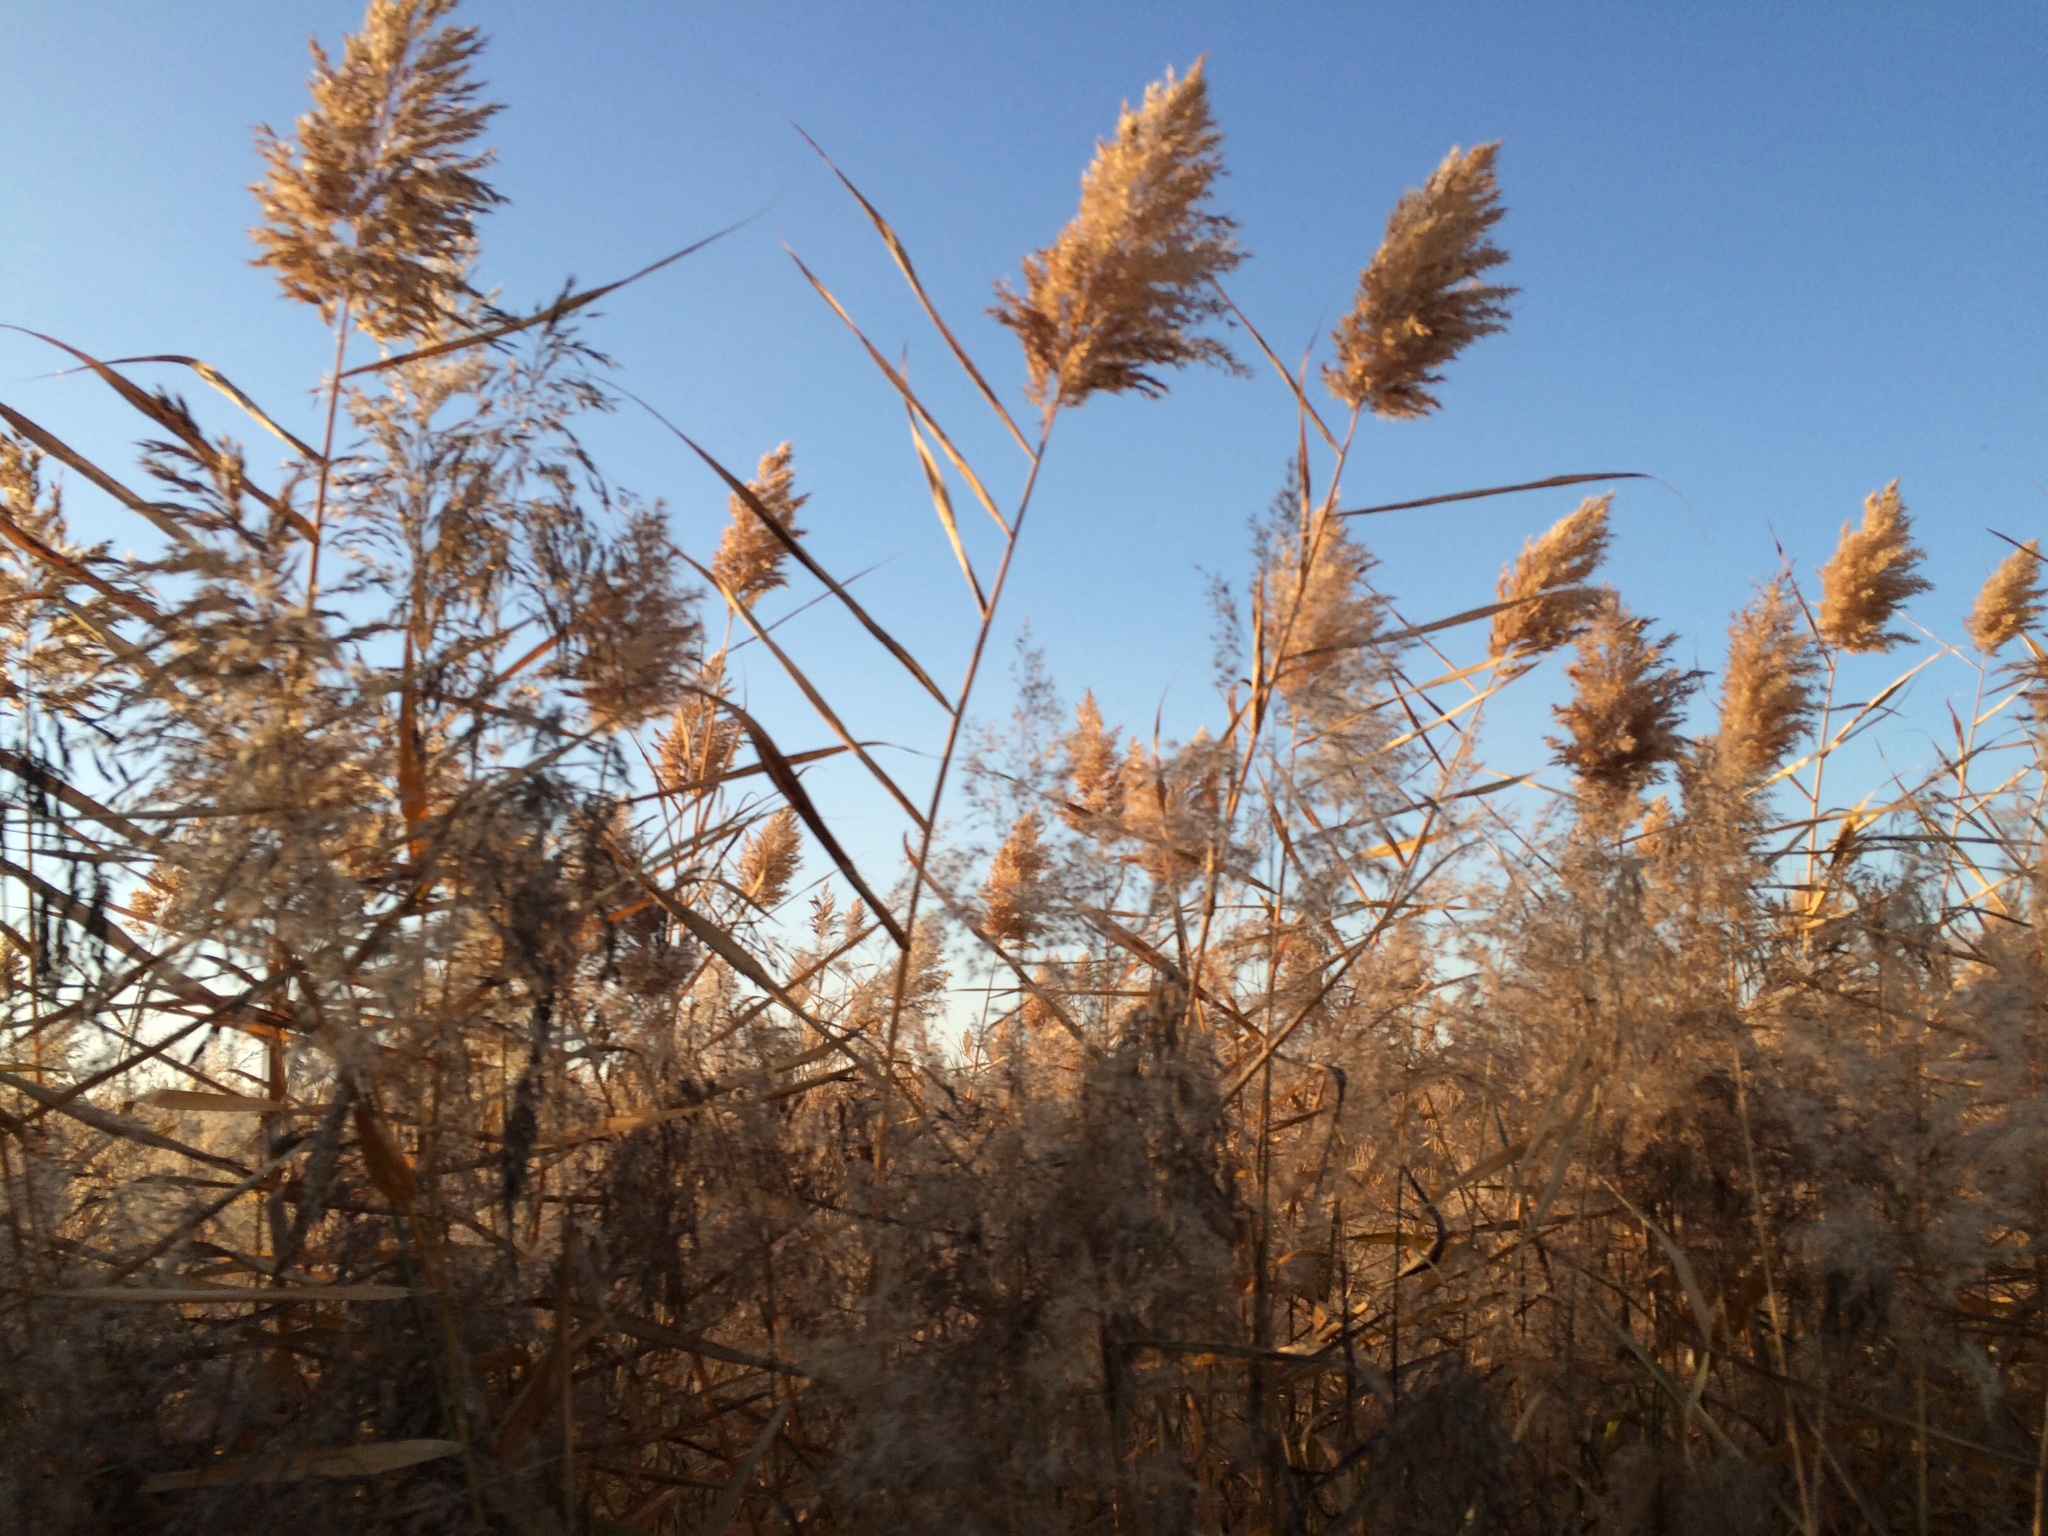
column 1871, row 576
column 1118, row 295
column 2010, row 601
column 1422, row 302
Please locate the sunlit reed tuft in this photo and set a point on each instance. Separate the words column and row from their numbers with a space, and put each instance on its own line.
column 373, row 210
column 1013, row 897
column 1546, row 614
column 1118, row 296
column 2010, row 601
column 1622, row 722
column 1768, row 694
column 769, row 860
column 1422, row 302
column 1094, row 770
column 1871, row 576
column 750, row 557
column 697, row 748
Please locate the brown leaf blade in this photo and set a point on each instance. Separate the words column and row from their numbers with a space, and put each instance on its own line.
column 341, row 1461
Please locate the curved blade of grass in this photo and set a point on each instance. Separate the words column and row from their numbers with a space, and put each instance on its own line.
column 558, row 310
column 1861, row 719
column 784, row 777
column 341, row 1461
column 902, row 259
column 1497, row 490
column 57, row 449
column 1412, row 631
column 39, row 777
column 115, row 1125
column 817, row 699
column 801, row 555
column 1293, row 384
column 729, row 1501
column 903, row 388
column 228, row 387
column 727, row 948
column 173, row 422
column 942, row 501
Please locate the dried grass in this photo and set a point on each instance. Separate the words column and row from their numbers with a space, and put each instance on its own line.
column 409, row 1121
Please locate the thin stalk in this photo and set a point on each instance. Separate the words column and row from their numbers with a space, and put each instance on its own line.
column 954, row 727
column 341, row 331
column 1820, row 767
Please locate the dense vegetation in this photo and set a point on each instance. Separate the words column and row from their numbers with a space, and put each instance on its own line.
column 456, row 1080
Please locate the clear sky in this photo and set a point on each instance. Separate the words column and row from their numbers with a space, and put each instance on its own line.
column 1773, row 255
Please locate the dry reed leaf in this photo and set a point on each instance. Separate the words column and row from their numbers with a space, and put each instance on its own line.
column 802, row 557
column 217, row 1295
column 385, row 1164
column 341, row 1461
column 942, row 502
column 114, row 1125
column 813, row 696
column 729, row 1501
column 222, row 1103
column 1493, row 490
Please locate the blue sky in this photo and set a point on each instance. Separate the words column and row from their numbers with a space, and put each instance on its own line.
column 1774, row 256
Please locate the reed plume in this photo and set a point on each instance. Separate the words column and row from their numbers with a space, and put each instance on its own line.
column 693, row 754
column 373, row 210
column 1013, row 898
column 1421, row 302
column 769, row 860
column 750, row 556
column 1871, row 576
column 1547, row 613
column 632, row 632
column 1094, row 772
column 1313, row 597
column 1768, row 693
column 2010, row 601
column 1622, row 722
column 1118, row 296
column 445, row 1137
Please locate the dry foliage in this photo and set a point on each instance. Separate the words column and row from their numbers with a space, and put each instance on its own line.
column 435, row 1098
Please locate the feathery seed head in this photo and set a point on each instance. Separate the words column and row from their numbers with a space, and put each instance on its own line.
column 1623, row 719
column 1421, row 302
column 1317, row 606
column 1871, row 576
column 1767, row 696
column 1094, row 768
column 1013, row 894
column 2010, row 601
column 698, row 746
column 1118, row 295
column 1548, row 613
column 632, row 631
column 768, row 861
column 373, row 209
column 750, row 556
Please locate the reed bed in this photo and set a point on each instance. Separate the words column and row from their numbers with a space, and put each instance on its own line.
column 441, row 1094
